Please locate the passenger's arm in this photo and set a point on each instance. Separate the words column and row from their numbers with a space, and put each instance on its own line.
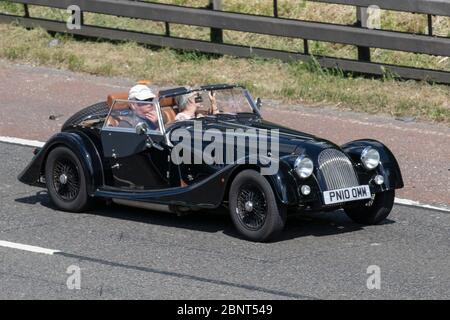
column 212, row 98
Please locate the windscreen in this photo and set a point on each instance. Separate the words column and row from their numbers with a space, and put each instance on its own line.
column 127, row 114
column 231, row 101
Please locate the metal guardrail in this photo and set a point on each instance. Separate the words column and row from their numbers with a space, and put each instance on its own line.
column 217, row 20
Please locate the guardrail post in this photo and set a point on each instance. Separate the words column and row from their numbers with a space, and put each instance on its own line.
column 430, row 24
column 361, row 21
column 275, row 8
column 167, row 26
column 26, row 11
column 216, row 34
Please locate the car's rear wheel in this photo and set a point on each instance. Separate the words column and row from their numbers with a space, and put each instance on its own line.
column 66, row 181
column 254, row 209
column 374, row 211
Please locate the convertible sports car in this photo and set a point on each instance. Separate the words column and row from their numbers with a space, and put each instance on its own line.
column 108, row 151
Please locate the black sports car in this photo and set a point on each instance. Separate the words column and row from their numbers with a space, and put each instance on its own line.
column 140, row 153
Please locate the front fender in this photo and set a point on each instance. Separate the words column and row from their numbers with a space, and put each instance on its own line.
column 388, row 167
column 284, row 184
column 278, row 173
column 81, row 145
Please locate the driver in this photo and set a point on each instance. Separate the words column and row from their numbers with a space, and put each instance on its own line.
column 145, row 112
column 188, row 106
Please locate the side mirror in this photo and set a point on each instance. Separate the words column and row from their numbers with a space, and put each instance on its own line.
column 141, row 128
column 258, row 103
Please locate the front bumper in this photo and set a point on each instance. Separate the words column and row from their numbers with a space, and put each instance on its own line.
column 315, row 200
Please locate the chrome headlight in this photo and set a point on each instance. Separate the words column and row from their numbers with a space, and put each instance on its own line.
column 370, row 158
column 304, row 167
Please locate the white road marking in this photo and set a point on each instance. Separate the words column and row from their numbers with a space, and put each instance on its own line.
column 23, row 142
column 412, row 203
column 406, row 202
column 26, row 247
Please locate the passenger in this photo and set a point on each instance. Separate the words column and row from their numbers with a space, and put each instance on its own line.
column 188, row 107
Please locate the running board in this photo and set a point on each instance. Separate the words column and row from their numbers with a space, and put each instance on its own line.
column 143, row 205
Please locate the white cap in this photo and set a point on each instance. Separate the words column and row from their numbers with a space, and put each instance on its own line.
column 140, row 92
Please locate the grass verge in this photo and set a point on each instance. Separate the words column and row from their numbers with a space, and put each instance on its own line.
column 294, row 82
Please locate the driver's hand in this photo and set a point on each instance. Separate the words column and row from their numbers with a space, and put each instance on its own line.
column 151, row 116
column 149, row 113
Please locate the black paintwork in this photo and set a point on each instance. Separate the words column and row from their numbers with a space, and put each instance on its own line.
column 147, row 174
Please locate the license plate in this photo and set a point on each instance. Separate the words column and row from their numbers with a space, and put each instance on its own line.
column 346, row 194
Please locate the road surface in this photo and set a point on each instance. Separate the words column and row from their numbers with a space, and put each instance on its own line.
column 137, row 254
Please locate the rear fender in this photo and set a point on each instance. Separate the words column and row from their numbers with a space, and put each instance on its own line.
column 81, row 145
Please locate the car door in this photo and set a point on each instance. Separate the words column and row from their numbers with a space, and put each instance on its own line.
column 135, row 159
column 192, row 169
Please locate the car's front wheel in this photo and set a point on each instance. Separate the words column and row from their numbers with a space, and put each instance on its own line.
column 66, row 181
column 254, row 209
column 374, row 211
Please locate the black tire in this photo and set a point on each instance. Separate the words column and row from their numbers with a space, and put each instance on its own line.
column 100, row 109
column 72, row 194
column 373, row 212
column 263, row 218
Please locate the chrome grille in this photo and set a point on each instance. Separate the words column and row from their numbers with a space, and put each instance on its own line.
column 337, row 170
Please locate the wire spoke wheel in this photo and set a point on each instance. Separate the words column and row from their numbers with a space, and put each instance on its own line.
column 251, row 206
column 66, row 179
column 254, row 209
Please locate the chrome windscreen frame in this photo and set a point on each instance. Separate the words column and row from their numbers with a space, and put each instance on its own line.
column 252, row 102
